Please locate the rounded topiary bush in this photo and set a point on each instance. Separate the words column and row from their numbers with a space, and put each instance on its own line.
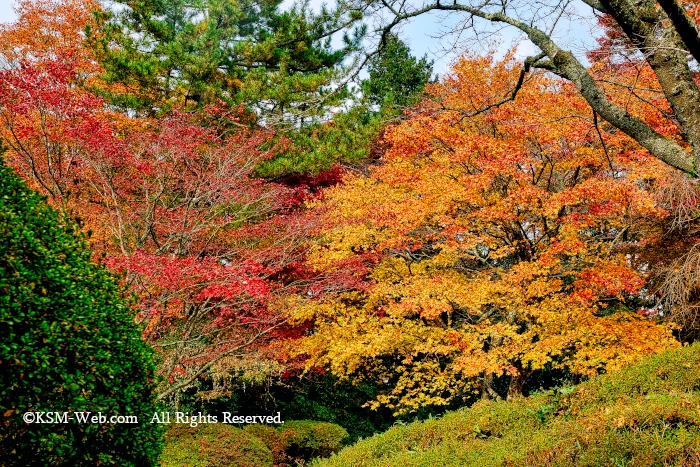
column 273, row 438
column 213, row 445
column 299, row 441
column 308, row 439
column 68, row 343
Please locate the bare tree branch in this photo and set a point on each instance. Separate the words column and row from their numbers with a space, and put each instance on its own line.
column 564, row 64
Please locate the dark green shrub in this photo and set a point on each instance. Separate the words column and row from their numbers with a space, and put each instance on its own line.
column 308, row 439
column 67, row 343
column 213, row 445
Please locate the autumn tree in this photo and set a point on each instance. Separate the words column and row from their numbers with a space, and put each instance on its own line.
column 650, row 42
column 197, row 238
column 663, row 34
column 489, row 246
column 173, row 203
column 673, row 256
column 52, row 120
column 61, row 34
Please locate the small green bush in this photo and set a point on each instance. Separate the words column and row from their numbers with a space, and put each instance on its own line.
column 68, row 343
column 213, row 445
column 299, row 441
column 308, row 439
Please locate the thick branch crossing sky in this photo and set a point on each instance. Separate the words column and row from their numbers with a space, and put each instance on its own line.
column 426, row 35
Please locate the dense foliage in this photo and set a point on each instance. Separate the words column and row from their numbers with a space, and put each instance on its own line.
column 360, row 253
column 395, row 76
column 644, row 415
column 167, row 206
column 175, row 53
column 396, row 79
column 308, row 439
column 67, row 344
column 172, row 202
column 487, row 246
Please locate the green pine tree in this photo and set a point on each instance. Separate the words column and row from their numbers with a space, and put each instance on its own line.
column 396, row 78
column 174, row 53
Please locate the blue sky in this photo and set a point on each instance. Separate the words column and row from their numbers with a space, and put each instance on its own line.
column 426, row 35
column 6, row 12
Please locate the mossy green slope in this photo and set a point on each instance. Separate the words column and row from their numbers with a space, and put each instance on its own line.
column 645, row 415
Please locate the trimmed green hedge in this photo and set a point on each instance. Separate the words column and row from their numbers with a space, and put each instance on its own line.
column 219, row 444
column 645, row 415
column 308, row 439
column 213, row 445
column 299, row 440
column 67, row 343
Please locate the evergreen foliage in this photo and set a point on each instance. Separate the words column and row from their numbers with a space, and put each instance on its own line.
column 353, row 137
column 67, row 344
column 347, row 139
column 395, row 76
column 170, row 53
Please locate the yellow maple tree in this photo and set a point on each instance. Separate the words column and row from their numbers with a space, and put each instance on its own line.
column 496, row 240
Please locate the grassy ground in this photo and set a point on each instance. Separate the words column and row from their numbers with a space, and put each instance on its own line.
column 645, row 415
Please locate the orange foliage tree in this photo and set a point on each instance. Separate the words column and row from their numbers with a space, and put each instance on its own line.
column 57, row 128
column 674, row 254
column 49, row 29
column 492, row 242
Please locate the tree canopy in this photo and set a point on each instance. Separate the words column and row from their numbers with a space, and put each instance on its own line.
column 173, row 53
column 662, row 36
column 487, row 246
